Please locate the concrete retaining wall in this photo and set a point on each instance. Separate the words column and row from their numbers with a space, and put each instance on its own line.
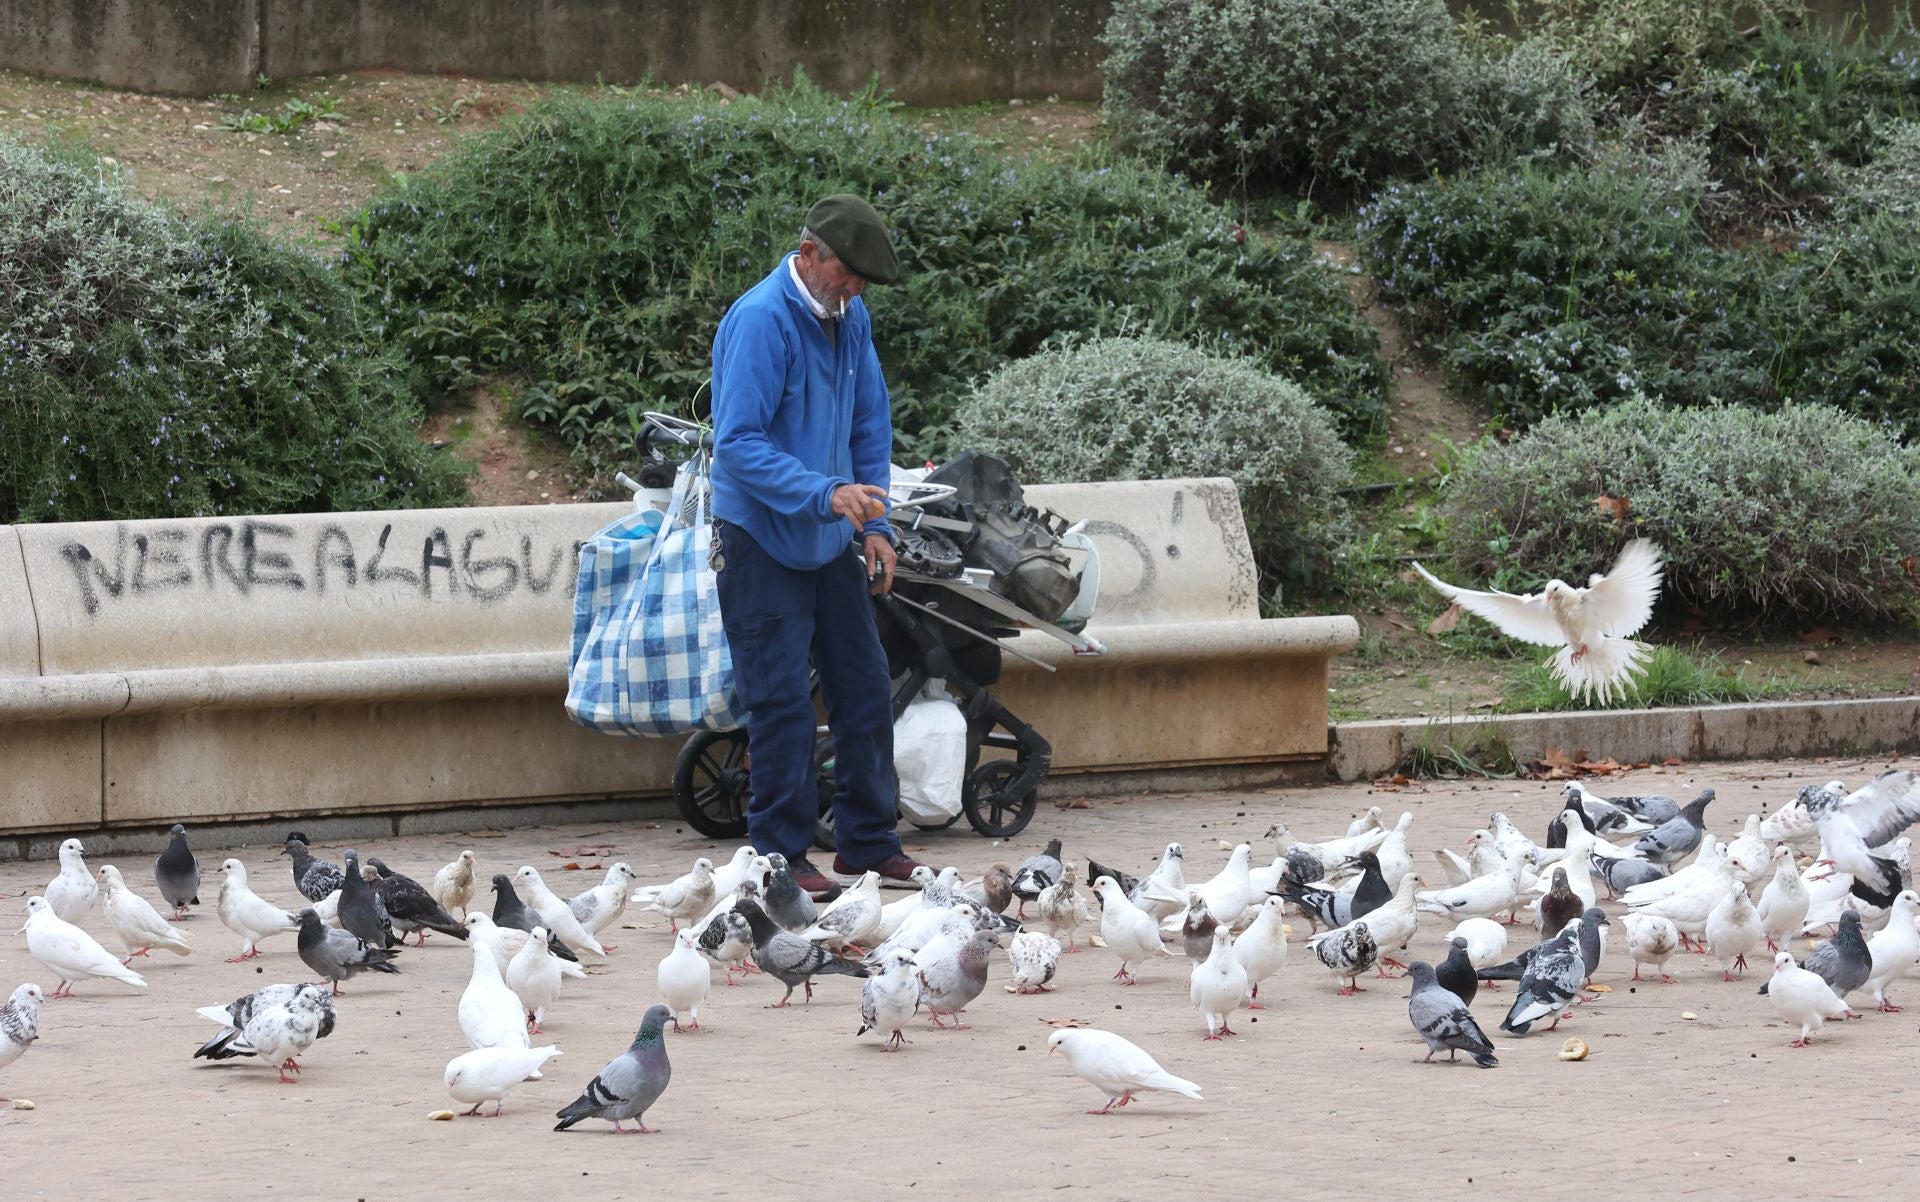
column 404, row 662
column 926, row 51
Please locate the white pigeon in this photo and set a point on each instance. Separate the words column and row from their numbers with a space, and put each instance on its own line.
column 1369, row 821
column 71, row 892
column 1115, row 1065
column 1895, row 949
column 746, row 865
column 1486, row 942
column 1688, row 907
column 1482, row 897
column 1733, row 929
column 507, row 942
column 1591, row 626
column 1230, row 891
column 1262, row 949
column 1033, row 957
column 1163, row 891
column 534, row 977
column 453, row 884
column 890, row 998
column 1801, row 998
column 1794, row 823
column 1060, row 910
column 1855, row 827
column 1331, row 853
column 1392, row 924
column 486, row 1074
column 1784, row 902
column 853, row 918
column 1580, row 845
column 281, row 1033
column 1748, row 853
column 136, row 924
column 895, row 913
column 69, row 952
column 1128, row 931
column 1651, row 940
column 1511, row 841
column 328, row 908
column 1395, row 862
column 689, row 896
column 1218, row 985
column 601, row 906
column 1710, row 863
column 19, row 1023
column 247, row 914
column 555, row 914
column 490, row 1014
column 684, row 976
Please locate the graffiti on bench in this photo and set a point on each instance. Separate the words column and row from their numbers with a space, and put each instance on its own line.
column 257, row 555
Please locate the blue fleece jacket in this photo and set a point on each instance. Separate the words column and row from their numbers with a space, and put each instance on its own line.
column 795, row 416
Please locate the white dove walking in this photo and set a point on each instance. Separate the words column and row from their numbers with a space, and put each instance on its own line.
column 1218, row 985
column 453, row 884
column 534, row 977
column 249, row 916
column 72, row 891
column 1116, row 1066
column 1591, row 626
column 555, row 914
column 69, row 952
column 684, row 976
column 136, row 924
column 486, row 1074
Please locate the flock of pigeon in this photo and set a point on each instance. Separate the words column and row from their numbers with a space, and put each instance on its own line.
column 931, row 951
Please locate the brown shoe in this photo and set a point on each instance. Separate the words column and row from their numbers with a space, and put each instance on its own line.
column 812, row 881
column 897, row 868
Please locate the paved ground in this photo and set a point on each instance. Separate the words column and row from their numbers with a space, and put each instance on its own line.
column 1321, row 1094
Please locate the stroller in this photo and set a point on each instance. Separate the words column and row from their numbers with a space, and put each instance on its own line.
column 975, row 564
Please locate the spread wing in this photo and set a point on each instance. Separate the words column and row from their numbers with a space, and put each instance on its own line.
column 1523, row 617
column 1620, row 602
column 1883, row 807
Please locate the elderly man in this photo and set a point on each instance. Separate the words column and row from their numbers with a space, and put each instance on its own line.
column 803, row 445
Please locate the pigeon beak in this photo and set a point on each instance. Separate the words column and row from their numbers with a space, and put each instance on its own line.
column 1050, row 1047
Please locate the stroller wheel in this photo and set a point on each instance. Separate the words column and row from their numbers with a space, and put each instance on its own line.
column 710, row 783
column 988, row 808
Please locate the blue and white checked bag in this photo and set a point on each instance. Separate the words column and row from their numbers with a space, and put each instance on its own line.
column 649, row 654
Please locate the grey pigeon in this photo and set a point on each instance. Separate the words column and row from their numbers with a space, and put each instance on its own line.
column 787, row 958
column 1035, row 873
column 510, row 911
column 948, row 982
column 1622, row 874
column 1561, row 905
column 1593, row 939
column 1843, row 961
column 1549, row 984
column 1442, row 1018
column 177, row 873
column 1653, row 808
column 360, row 908
column 1196, row 930
column 238, row 1013
column 1456, row 974
column 787, row 903
column 630, row 1082
column 338, row 955
column 315, row 879
column 409, row 906
column 1676, row 838
column 1330, row 908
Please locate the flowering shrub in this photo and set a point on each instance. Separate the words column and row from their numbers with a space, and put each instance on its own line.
column 594, row 246
column 1142, row 409
column 1799, row 512
column 155, row 366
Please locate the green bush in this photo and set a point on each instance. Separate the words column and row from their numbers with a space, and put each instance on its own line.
column 1328, row 95
column 1803, row 512
column 1143, row 409
column 1648, row 41
column 1888, row 185
column 153, row 365
column 1551, row 290
column 1523, row 99
column 594, row 246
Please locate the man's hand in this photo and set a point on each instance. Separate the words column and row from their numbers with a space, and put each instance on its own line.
column 859, row 503
column 880, row 560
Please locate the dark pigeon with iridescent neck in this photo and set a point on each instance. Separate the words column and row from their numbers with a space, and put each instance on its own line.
column 177, row 873
column 630, row 1082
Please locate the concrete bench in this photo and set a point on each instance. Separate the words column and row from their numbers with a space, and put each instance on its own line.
column 246, row 668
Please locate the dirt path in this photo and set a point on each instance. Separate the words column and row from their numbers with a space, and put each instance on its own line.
column 788, row 1104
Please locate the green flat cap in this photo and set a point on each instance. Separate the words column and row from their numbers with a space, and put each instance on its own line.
column 857, row 237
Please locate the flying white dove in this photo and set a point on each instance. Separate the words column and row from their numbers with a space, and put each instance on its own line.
column 1591, row 626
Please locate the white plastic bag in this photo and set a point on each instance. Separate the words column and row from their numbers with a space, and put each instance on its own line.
column 930, row 754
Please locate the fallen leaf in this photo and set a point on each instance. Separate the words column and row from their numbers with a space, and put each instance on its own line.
column 1674, row 761
column 1810, row 656
column 1448, row 619
column 1065, row 1022
column 1076, row 803
column 1612, row 507
column 586, row 849
column 1484, row 703
column 1819, row 634
column 1556, row 758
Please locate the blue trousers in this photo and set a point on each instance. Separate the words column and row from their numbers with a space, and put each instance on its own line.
column 779, row 619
